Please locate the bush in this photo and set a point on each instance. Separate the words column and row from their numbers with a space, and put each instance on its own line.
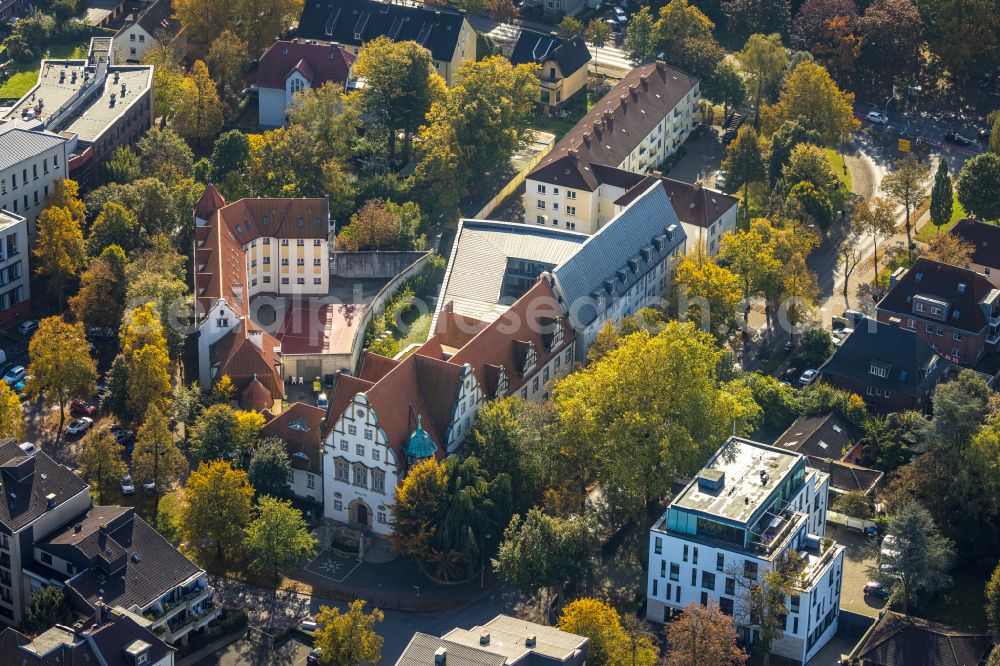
column 815, row 346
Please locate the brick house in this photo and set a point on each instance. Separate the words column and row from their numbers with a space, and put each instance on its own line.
column 954, row 310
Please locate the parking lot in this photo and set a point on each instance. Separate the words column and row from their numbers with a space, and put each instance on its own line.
column 856, row 565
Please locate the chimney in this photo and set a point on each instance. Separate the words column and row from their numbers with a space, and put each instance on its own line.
column 895, row 321
column 484, row 638
column 440, row 655
column 644, row 80
column 102, row 534
column 657, row 173
column 573, row 153
column 50, row 501
column 697, row 186
column 530, row 641
column 661, row 66
column 624, row 100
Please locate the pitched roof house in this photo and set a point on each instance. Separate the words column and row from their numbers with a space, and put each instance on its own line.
column 890, row 367
column 395, row 413
column 902, row 640
column 985, row 241
column 562, row 62
column 446, row 34
column 955, row 310
column 301, row 428
column 629, row 133
column 290, row 67
column 156, row 24
column 706, row 214
column 115, row 638
column 234, row 247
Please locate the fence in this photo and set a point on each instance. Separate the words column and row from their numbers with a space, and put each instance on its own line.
column 850, row 522
column 378, row 303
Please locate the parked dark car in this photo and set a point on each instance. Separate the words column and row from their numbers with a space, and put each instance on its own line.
column 958, row 139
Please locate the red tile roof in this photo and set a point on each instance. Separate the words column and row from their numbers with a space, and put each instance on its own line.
column 300, row 426
column 374, row 367
column 615, row 126
column 694, row 204
column 247, row 352
column 318, row 63
column 211, row 200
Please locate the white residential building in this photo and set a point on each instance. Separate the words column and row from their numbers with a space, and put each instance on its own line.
column 643, row 120
column 751, row 509
column 15, row 272
column 31, row 161
column 146, row 28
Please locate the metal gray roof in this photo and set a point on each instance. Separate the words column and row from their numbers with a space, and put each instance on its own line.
column 479, row 261
column 422, row 647
column 508, row 637
column 18, row 144
column 611, row 261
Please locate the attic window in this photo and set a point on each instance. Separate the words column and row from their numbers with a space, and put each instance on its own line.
column 879, row 369
column 284, row 52
column 919, row 277
column 956, row 314
column 299, row 424
column 302, row 222
column 961, row 287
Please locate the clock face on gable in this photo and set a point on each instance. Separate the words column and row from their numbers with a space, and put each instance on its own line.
column 360, row 412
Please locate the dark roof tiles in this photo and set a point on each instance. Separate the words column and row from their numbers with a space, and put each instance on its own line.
column 961, row 288
column 535, row 47
column 318, row 63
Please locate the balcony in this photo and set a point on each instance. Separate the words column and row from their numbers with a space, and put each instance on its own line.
column 197, row 597
column 818, row 560
column 993, row 335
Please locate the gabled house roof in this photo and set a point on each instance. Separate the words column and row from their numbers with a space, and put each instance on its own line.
column 300, row 426
column 984, row 237
column 248, row 353
column 27, row 482
column 694, row 204
column 536, row 47
column 902, row 640
column 615, row 126
column 827, row 435
column 908, row 362
column 318, row 63
column 121, row 559
column 18, row 143
column 531, row 323
column 961, row 288
column 159, row 19
column 846, row 477
column 358, row 21
column 610, row 262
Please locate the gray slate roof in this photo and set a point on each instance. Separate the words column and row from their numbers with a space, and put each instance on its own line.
column 822, row 435
column 421, row 649
column 26, row 482
column 612, row 260
column 536, row 47
column 18, row 144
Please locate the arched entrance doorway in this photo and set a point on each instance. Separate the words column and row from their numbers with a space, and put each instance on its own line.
column 360, row 514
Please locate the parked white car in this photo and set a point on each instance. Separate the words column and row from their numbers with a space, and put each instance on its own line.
column 808, row 377
column 128, row 487
column 80, row 425
column 879, row 118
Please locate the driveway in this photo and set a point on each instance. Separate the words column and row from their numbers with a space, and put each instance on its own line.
column 703, row 157
column 855, row 576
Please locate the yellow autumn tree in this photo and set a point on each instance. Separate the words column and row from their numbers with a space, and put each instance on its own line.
column 610, row 644
column 811, row 97
column 348, row 638
column 198, row 114
column 217, row 508
column 710, row 291
column 60, row 250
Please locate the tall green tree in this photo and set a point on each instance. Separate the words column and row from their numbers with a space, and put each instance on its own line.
column 543, row 552
column 921, row 559
column 122, row 166
column 61, row 367
column 116, row 225
column 348, row 638
column 213, row 435
column 156, row 457
column 686, row 38
column 905, row 186
column 269, row 468
column 279, row 537
column 100, row 301
column 59, row 250
column 810, row 96
column 102, row 462
column 164, row 155
column 942, row 198
column 744, row 163
column 749, row 17
column 788, row 135
column 48, row 607
column 763, row 59
column 726, row 86
column 400, row 87
column 978, row 183
column 639, row 36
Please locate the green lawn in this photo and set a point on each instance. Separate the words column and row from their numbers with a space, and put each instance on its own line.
column 576, row 109
column 419, row 325
column 928, row 231
column 837, row 164
column 24, row 75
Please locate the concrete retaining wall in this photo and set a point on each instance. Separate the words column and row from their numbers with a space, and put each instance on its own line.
column 382, row 265
column 377, row 306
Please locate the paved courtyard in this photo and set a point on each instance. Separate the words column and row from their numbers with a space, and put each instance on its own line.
column 248, row 652
column 335, row 568
column 852, row 596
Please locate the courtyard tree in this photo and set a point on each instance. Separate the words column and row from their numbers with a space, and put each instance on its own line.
column 48, row 607
column 213, row 435
column 711, row 291
column 217, row 508
column 950, row 249
column 199, row 111
column 11, row 413
column 763, row 59
column 61, row 367
column 100, row 301
column 922, row 557
column 102, row 462
column 744, row 163
column 156, row 458
column 269, row 468
column 279, row 537
column 543, row 552
column 993, row 600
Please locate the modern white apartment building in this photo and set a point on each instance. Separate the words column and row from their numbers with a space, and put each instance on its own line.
column 31, row 161
column 751, row 509
column 15, row 272
column 629, row 133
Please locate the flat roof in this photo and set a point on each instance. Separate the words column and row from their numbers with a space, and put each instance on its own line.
column 743, row 489
column 60, row 81
column 480, row 259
